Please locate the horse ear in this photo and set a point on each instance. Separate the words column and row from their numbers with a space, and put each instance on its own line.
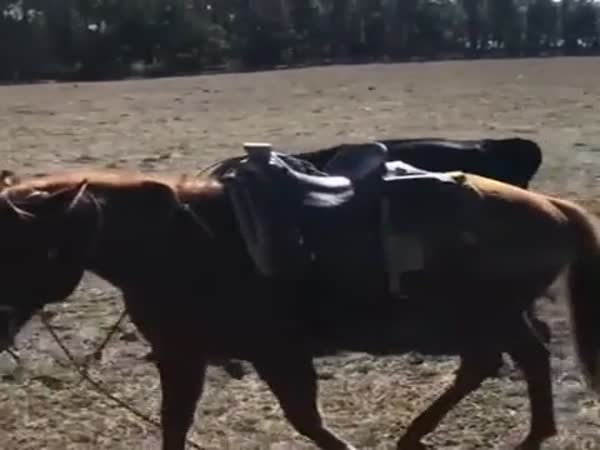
column 8, row 178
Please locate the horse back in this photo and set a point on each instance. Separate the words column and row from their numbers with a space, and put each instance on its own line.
column 512, row 160
column 510, row 207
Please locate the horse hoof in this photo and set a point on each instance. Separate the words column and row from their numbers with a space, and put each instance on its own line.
column 528, row 446
column 234, row 369
column 411, row 446
column 150, row 357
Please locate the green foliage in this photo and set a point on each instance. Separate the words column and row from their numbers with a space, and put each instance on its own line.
column 106, row 38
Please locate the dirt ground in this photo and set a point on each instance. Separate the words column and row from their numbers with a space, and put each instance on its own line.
column 181, row 124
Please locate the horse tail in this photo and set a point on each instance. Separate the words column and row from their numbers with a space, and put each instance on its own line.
column 583, row 284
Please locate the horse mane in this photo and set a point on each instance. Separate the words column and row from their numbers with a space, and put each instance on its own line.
column 183, row 187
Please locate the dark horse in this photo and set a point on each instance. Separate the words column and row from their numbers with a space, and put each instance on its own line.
column 511, row 160
column 174, row 249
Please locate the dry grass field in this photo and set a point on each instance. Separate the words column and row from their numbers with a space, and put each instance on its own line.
column 181, row 124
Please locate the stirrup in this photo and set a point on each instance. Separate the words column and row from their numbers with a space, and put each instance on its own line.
column 402, row 251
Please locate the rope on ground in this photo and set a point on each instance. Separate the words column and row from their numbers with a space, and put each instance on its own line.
column 98, row 386
column 97, row 353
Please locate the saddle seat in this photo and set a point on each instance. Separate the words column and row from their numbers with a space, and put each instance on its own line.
column 359, row 162
column 321, row 189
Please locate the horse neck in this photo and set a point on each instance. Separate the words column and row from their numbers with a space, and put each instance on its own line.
column 153, row 245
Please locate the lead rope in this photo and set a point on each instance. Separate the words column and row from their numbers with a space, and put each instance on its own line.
column 82, row 370
column 13, row 354
column 97, row 353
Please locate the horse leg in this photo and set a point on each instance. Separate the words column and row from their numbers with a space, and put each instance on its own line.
column 181, row 377
column 474, row 369
column 293, row 381
column 182, row 381
column 533, row 358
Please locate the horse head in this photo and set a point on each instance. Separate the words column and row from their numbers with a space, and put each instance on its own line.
column 44, row 237
column 511, row 160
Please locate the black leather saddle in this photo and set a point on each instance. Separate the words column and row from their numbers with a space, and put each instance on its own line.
column 291, row 214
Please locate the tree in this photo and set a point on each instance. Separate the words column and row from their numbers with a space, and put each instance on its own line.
column 505, row 25
column 475, row 25
column 542, row 25
column 102, row 38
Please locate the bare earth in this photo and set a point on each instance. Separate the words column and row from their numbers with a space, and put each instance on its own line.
column 181, row 124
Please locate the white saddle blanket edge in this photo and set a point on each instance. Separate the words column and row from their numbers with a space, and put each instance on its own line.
column 400, row 169
column 403, row 251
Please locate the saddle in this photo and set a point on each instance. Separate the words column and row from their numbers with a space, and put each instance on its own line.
column 359, row 211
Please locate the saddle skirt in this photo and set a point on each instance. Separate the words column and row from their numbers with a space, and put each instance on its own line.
column 360, row 216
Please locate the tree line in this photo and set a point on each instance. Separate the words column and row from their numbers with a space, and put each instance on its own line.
column 97, row 39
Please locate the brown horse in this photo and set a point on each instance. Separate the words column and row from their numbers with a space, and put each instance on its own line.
column 173, row 248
